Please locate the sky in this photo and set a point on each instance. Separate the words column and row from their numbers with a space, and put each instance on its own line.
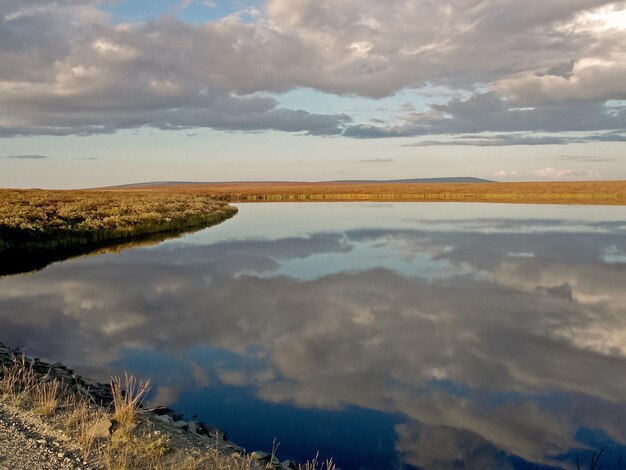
column 103, row 92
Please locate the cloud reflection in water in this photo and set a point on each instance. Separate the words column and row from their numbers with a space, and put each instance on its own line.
column 515, row 345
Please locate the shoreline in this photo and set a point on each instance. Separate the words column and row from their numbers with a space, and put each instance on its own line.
column 555, row 192
column 185, row 436
column 42, row 219
column 40, row 227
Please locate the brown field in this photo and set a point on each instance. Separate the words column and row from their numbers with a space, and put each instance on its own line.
column 592, row 192
column 31, row 215
column 39, row 227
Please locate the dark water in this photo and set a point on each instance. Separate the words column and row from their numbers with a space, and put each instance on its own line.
column 385, row 335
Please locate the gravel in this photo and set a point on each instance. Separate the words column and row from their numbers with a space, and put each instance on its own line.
column 27, row 445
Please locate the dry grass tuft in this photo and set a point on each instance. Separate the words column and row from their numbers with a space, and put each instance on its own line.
column 316, row 465
column 140, row 450
column 46, row 395
column 127, row 398
column 79, row 422
column 21, row 387
column 17, row 383
column 212, row 459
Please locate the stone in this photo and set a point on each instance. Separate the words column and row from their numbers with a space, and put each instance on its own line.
column 161, row 410
column 289, row 465
column 164, row 419
column 214, row 432
column 192, row 427
column 102, row 429
column 260, row 455
column 180, row 424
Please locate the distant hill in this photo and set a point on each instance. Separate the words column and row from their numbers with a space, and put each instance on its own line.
column 454, row 179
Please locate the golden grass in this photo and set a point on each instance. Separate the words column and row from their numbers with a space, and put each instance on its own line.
column 127, row 398
column 315, row 464
column 46, row 395
column 556, row 192
column 20, row 386
column 17, row 383
column 79, row 420
column 138, row 450
column 88, row 217
column 214, row 460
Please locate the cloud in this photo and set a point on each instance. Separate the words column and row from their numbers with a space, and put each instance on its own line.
column 599, row 79
column 440, row 447
column 354, row 337
column 505, row 173
column 386, row 47
column 377, row 160
column 27, row 157
column 551, row 172
column 475, row 359
column 585, row 158
column 165, row 395
column 65, row 68
column 513, row 138
column 494, row 141
column 490, row 112
column 62, row 78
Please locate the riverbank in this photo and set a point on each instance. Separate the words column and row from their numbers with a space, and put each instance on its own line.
column 52, row 418
column 38, row 227
column 549, row 192
column 32, row 219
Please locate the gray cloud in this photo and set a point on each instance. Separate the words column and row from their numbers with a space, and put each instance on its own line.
column 64, row 78
column 27, row 157
column 377, row 160
column 585, row 158
column 66, row 69
column 489, row 112
column 501, row 140
column 495, row 141
column 440, row 447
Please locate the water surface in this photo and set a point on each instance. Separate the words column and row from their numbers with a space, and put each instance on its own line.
column 426, row 335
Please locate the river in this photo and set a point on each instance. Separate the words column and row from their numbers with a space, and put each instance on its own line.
column 405, row 335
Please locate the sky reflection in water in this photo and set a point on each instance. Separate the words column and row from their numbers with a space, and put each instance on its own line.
column 386, row 335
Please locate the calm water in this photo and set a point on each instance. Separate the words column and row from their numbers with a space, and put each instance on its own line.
column 385, row 335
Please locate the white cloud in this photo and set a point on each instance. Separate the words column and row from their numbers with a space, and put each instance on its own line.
column 505, row 174
column 547, row 173
column 551, row 172
column 590, row 78
column 171, row 74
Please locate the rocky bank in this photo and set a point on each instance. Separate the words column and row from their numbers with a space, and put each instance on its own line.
column 29, row 441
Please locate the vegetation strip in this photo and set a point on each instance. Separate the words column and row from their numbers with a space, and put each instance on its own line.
column 558, row 192
column 104, row 426
column 39, row 227
column 57, row 219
